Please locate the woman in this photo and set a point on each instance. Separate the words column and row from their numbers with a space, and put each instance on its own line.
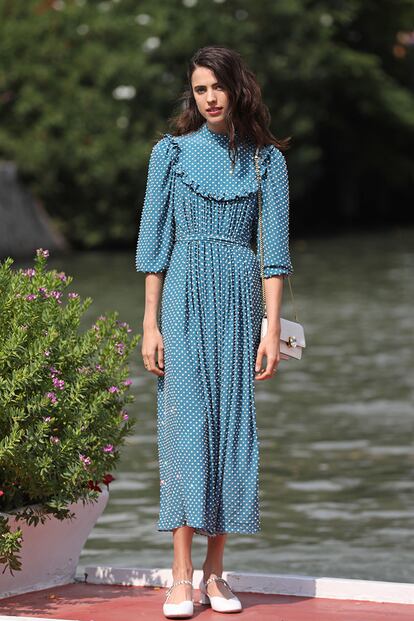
column 199, row 219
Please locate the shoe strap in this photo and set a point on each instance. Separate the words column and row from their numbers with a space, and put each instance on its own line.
column 176, row 583
column 218, row 579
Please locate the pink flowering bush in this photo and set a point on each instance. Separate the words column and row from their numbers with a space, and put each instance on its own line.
column 63, row 394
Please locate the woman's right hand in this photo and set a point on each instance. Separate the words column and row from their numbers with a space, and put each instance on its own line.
column 152, row 350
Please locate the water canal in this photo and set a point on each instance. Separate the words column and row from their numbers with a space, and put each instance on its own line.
column 336, row 429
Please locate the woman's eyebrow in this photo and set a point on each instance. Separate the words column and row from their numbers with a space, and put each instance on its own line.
column 196, row 85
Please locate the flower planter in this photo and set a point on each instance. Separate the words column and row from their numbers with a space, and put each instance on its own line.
column 51, row 551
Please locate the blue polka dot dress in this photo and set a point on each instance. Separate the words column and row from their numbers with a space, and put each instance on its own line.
column 198, row 223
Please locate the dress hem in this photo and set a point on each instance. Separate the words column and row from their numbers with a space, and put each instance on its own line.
column 201, row 531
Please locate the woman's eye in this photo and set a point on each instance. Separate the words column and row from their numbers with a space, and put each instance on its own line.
column 201, row 89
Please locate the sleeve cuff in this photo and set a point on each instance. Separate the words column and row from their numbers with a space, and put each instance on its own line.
column 277, row 271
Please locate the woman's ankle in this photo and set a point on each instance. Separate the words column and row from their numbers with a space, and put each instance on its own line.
column 212, row 570
column 182, row 572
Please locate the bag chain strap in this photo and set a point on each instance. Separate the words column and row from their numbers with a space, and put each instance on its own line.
column 259, row 198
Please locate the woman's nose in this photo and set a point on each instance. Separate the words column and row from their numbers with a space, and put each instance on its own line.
column 211, row 96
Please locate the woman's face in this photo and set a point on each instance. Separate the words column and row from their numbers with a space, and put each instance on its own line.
column 211, row 98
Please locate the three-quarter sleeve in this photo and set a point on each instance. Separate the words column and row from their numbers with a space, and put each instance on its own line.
column 156, row 230
column 275, row 216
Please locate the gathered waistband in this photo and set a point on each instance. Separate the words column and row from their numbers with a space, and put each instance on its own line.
column 212, row 238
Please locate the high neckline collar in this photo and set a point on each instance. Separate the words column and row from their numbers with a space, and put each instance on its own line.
column 215, row 136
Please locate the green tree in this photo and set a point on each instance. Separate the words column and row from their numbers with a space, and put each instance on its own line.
column 86, row 88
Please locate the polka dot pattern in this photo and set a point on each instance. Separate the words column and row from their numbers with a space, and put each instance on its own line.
column 197, row 225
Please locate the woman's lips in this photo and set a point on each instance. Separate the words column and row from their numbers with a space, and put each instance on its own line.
column 214, row 111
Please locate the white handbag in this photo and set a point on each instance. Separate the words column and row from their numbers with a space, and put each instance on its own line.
column 292, row 335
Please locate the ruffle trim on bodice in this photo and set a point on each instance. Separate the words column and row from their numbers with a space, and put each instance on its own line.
column 240, row 190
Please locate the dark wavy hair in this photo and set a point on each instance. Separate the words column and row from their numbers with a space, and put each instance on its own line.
column 247, row 114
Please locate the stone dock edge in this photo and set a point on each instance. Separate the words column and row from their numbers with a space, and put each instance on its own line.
column 277, row 584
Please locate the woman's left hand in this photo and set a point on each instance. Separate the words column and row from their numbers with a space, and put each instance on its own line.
column 270, row 347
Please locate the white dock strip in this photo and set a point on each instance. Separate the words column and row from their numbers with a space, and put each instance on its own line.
column 278, row 584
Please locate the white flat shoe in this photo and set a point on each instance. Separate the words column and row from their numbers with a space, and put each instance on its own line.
column 218, row 602
column 183, row 609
